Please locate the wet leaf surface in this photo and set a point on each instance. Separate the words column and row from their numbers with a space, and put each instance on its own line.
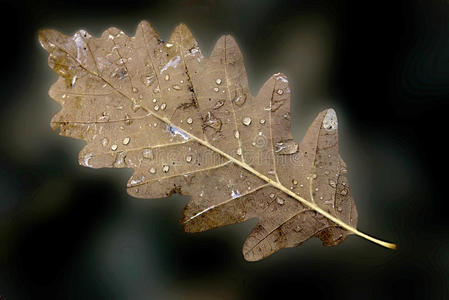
column 188, row 124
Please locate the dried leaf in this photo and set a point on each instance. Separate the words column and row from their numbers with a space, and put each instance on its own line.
column 188, row 124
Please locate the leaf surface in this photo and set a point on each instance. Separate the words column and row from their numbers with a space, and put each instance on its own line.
column 188, row 124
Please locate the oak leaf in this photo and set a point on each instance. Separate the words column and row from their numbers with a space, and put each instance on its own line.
column 188, row 124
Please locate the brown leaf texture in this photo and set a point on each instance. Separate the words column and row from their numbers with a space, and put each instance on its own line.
column 188, row 124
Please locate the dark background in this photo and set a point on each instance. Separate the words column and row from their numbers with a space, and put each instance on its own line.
column 69, row 232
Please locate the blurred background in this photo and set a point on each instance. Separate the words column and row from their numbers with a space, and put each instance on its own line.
column 70, row 232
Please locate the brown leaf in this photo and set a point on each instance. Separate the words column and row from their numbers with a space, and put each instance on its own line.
column 188, row 124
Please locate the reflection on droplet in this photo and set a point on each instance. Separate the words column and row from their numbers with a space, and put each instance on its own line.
column 280, row 201
column 163, row 106
column 246, row 121
column 330, row 121
column 216, row 89
column 295, row 182
column 239, row 100
column 239, row 151
column 156, row 107
column 212, row 121
column 176, row 87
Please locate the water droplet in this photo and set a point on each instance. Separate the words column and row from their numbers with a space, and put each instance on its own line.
column 246, row 121
column 152, row 170
column 218, row 81
column 104, row 142
column 156, row 107
column 135, row 90
column 120, row 159
column 126, row 141
column 332, row 183
column 236, row 134
column 280, row 92
column 148, row 153
column 301, row 185
column 330, row 121
column 280, row 201
column 316, row 189
column 295, row 182
column 262, row 121
column 168, row 45
column 163, row 106
column 239, row 151
column 344, row 192
column 239, row 100
column 216, row 89
column 189, row 120
column 154, row 100
column 339, row 208
column 313, row 176
column 286, row 147
column 287, row 116
column 219, row 104
column 176, row 87
column 272, row 196
column 114, row 147
column 188, row 158
column 212, row 121
column 165, row 168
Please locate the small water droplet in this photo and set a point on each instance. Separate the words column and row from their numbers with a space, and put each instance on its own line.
column 189, row 120
column 236, row 134
column 218, row 81
column 114, row 147
column 344, row 192
column 262, row 121
column 168, row 45
column 272, row 196
column 239, row 151
column 156, row 107
column 216, row 89
column 280, row 201
column 104, row 142
column 167, row 77
column 332, row 183
column 135, row 90
column 163, row 106
column 295, row 182
column 152, row 170
column 176, row 87
column 148, row 153
column 239, row 100
column 339, row 208
column 280, row 92
column 154, row 100
column 165, row 168
column 219, row 104
column 126, row 141
column 188, row 158
column 316, row 189
column 246, row 121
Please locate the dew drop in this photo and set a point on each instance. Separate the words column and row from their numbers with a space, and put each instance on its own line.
column 218, row 81
column 189, row 120
column 272, row 196
column 154, row 100
column 219, row 104
column 216, row 89
column 286, row 147
column 280, row 92
column 188, row 158
column 332, row 183
column 280, row 201
column 163, row 106
column 152, row 170
column 236, row 134
column 339, row 208
column 126, row 141
column 148, row 153
column 156, row 107
column 262, row 121
column 344, row 192
column 246, row 121
column 212, row 121
column 114, row 147
column 168, row 45
column 165, row 168
column 120, row 159
column 295, row 182
column 239, row 151
column 240, row 100
column 167, row 77
column 176, row 87
column 135, row 90
column 104, row 142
